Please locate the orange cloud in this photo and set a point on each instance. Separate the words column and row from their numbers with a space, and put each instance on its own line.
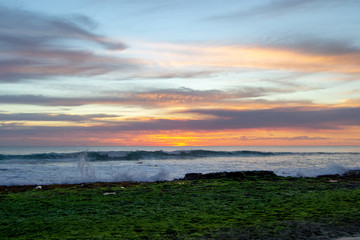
column 236, row 137
column 267, row 137
column 257, row 57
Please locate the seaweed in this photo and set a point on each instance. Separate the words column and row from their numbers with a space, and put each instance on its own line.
column 251, row 207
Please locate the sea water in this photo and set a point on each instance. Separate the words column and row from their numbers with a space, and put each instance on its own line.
column 58, row 165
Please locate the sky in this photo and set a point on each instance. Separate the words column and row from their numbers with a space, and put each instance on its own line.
column 179, row 72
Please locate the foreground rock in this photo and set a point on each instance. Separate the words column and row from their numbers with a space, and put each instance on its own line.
column 269, row 175
column 349, row 175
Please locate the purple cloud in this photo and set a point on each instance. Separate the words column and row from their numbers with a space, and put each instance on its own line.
column 36, row 46
column 142, row 98
column 329, row 119
column 276, row 7
column 284, row 118
column 52, row 117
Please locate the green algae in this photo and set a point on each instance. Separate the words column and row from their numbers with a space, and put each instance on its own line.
column 282, row 208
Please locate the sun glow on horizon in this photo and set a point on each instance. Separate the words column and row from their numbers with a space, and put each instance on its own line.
column 123, row 73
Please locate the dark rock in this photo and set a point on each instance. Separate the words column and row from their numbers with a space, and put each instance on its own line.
column 352, row 174
column 233, row 175
column 260, row 174
column 192, row 176
column 215, row 175
column 332, row 176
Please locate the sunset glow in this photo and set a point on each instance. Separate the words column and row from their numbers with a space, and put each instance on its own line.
column 179, row 73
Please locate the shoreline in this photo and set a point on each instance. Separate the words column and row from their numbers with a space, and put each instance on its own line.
column 351, row 175
column 223, row 205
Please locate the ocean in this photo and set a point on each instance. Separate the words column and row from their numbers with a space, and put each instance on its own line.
column 60, row 165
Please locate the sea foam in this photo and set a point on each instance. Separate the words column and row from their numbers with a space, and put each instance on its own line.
column 159, row 165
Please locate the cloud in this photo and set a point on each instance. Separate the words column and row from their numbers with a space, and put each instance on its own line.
column 291, row 118
column 284, row 118
column 254, row 119
column 27, row 29
column 297, row 138
column 294, row 57
column 158, row 97
column 189, row 96
column 52, row 117
column 284, row 6
column 37, row 46
column 314, row 46
column 320, row 43
column 324, row 126
column 278, row 7
column 165, row 74
column 45, row 101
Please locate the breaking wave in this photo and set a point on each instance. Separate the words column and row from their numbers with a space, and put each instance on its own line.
column 159, row 165
column 153, row 155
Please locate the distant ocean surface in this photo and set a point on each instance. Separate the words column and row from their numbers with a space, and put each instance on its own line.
column 55, row 165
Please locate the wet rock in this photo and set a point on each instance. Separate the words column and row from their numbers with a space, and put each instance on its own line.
column 193, row 176
column 331, row 176
column 349, row 175
column 352, row 174
column 232, row 175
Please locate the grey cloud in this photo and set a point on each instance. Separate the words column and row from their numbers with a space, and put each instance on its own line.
column 304, row 138
column 38, row 100
column 301, row 43
column 282, row 138
column 285, row 118
column 329, row 119
column 35, row 30
column 36, row 46
column 311, row 45
column 170, row 75
column 143, row 98
column 325, row 47
column 186, row 95
column 35, row 65
column 272, row 118
column 276, row 7
column 52, row 117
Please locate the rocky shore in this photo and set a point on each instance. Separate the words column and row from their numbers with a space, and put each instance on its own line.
column 238, row 175
column 223, row 205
